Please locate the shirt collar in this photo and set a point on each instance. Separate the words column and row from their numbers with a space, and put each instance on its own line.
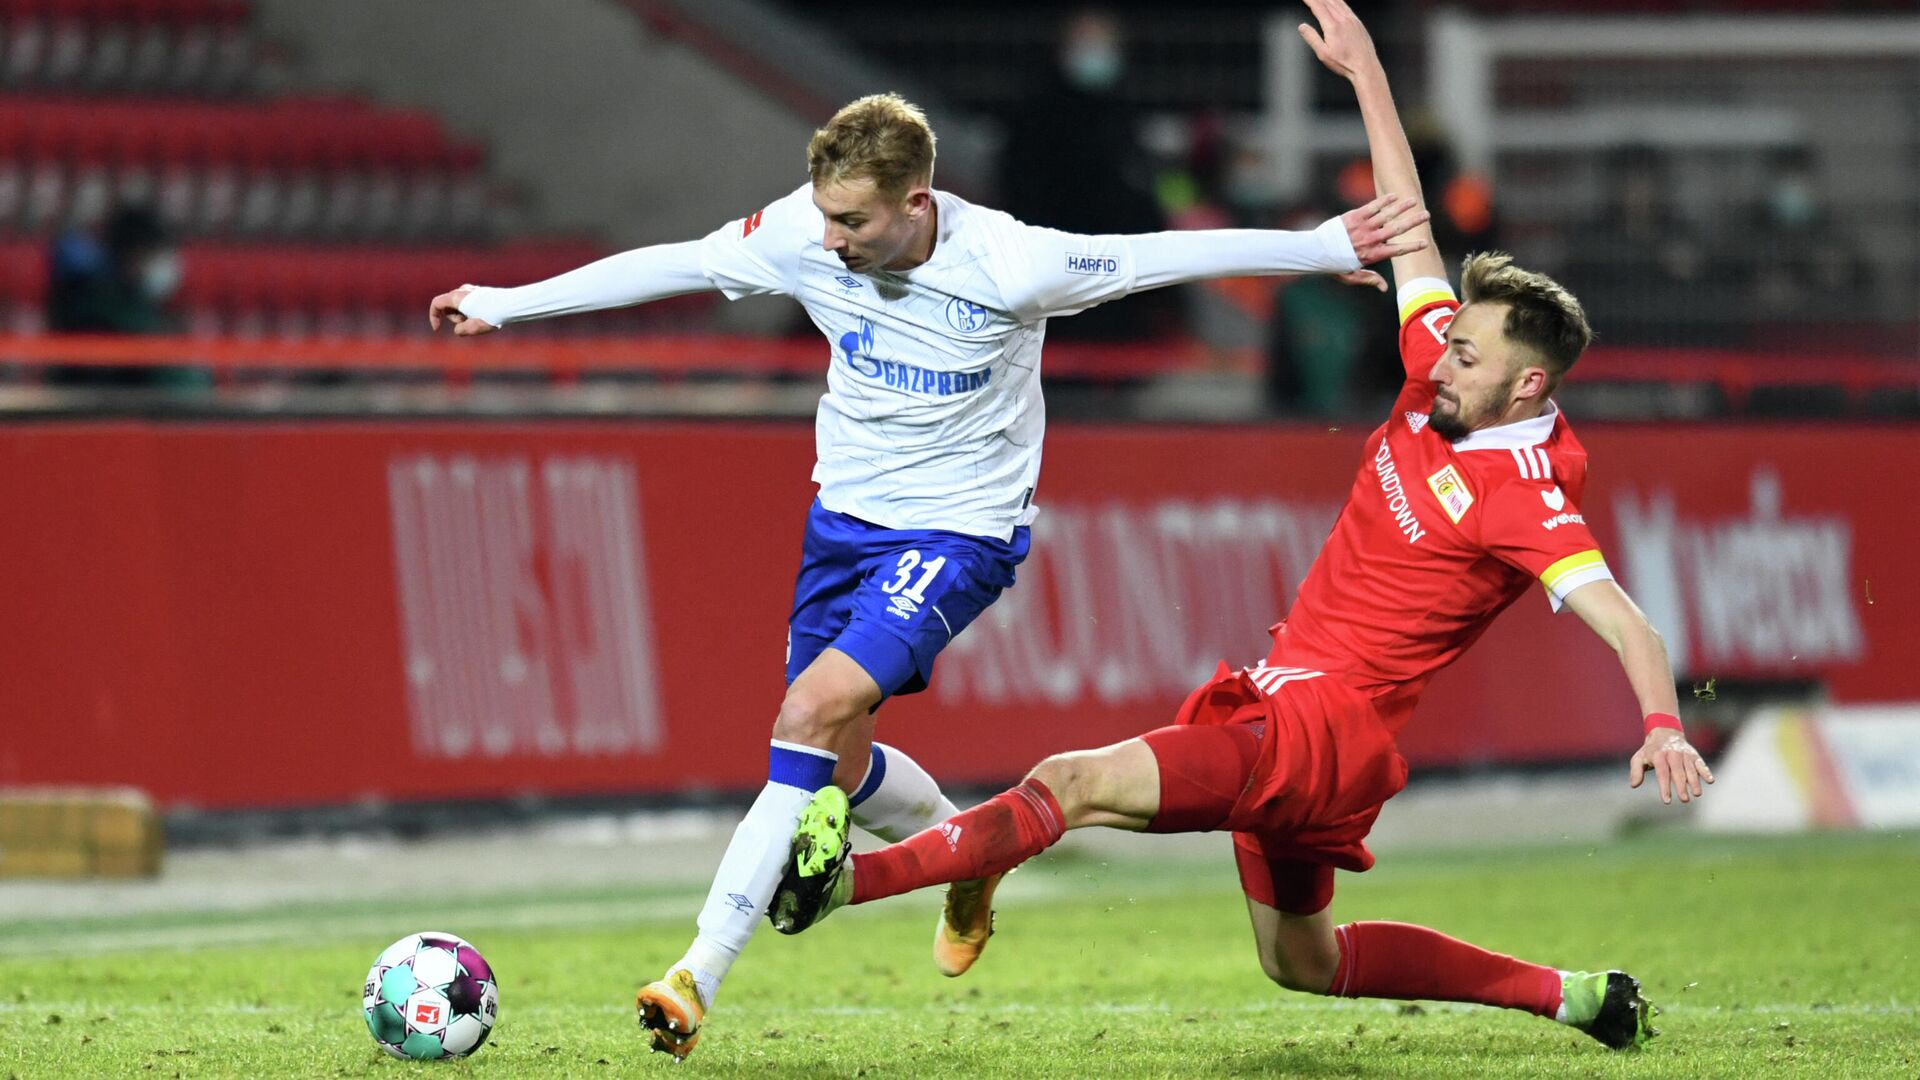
column 1515, row 436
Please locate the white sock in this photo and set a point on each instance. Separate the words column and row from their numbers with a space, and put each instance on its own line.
column 750, row 870
column 898, row 798
column 1560, row 1014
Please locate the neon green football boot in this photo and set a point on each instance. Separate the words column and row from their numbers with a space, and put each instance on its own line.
column 819, row 876
column 1607, row 1005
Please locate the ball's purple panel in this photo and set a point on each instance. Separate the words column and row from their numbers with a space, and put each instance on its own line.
column 438, row 942
column 476, row 967
column 465, row 994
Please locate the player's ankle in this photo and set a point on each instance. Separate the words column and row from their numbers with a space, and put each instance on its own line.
column 1581, row 994
column 708, row 963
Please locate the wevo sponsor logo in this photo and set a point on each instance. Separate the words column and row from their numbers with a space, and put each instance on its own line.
column 1764, row 591
column 523, row 602
column 1134, row 603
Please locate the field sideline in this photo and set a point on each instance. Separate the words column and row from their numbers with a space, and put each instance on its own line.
column 1769, row 956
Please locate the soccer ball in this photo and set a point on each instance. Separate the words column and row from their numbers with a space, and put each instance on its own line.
column 430, row 996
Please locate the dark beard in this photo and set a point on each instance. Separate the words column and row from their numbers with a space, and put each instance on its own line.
column 1448, row 426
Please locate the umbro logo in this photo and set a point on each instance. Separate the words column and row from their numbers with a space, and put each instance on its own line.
column 1554, row 499
column 739, row 902
column 952, row 834
column 1416, row 420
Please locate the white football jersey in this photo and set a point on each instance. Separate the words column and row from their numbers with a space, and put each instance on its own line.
column 932, row 417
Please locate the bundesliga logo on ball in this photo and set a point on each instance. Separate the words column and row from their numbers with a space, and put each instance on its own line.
column 430, row 996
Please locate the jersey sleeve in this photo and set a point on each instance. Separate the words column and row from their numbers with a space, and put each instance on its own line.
column 1058, row 273
column 1427, row 306
column 1534, row 525
column 760, row 253
column 1046, row 272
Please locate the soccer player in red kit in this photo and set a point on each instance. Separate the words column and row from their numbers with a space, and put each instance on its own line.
column 1465, row 497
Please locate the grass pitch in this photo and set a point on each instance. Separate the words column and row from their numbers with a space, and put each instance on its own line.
column 1769, row 957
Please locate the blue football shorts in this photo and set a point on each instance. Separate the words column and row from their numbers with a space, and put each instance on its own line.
column 891, row 598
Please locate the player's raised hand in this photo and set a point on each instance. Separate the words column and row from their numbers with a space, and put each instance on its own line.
column 1378, row 230
column 446, row 307
column 1675, row 763
column 1341, row 43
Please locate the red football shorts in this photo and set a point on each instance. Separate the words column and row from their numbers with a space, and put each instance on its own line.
column 1298, row 774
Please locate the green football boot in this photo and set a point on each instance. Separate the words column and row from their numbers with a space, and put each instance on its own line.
column 1607, row 1005
column 818, row 876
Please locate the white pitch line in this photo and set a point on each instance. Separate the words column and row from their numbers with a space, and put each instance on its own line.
column 290, row 927
column 271, row 926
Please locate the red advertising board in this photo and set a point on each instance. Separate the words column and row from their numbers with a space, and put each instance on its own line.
column 241, row 615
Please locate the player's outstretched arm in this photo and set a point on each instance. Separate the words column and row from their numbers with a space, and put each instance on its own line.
column 1610, row 613
column 623, row 280
column 1342, row 44
column 1063, row 273
column 1382, row 229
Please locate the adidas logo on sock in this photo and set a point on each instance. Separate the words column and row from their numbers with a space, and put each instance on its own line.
column 952, row 832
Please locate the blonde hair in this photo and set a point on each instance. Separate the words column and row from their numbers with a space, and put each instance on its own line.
column 881, row 137
column 1542, row 316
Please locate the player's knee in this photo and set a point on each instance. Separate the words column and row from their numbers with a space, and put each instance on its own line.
column 1306, row 971
column 1270, row 966
column 812, row 718
column 1305, row 980
column 1075, row 780
column 1062, row 777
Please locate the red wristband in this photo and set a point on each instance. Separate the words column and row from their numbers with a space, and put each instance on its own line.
column 1661, row 719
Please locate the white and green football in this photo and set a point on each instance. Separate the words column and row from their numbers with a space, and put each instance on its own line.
column 430, row 996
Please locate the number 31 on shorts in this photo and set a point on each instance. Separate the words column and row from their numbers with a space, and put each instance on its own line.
column 917, row 592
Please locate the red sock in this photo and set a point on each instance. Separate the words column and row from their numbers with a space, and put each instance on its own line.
column 997, row 835
column 1397, row 960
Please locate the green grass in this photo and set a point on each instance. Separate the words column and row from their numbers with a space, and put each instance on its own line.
column 1777, row 957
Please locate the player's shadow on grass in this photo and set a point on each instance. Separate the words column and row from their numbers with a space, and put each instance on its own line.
column 1278, row 1059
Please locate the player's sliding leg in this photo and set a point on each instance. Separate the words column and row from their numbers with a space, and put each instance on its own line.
column 897, row 799
column 1117, row 786
column 833, row 694
column 1404, row 962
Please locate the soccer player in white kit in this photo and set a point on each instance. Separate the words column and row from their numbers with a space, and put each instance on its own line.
column 928, row 443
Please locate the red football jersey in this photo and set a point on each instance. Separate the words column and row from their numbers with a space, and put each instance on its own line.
column 1438, row 537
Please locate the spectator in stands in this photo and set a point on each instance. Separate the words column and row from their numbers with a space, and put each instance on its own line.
column 1324, row 345
column 1462, row 201
column 1806, row 265
column 1073, row 161
column 1463, row 209
column 1194, row 190
column 1640, row 266
column 117, row 281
